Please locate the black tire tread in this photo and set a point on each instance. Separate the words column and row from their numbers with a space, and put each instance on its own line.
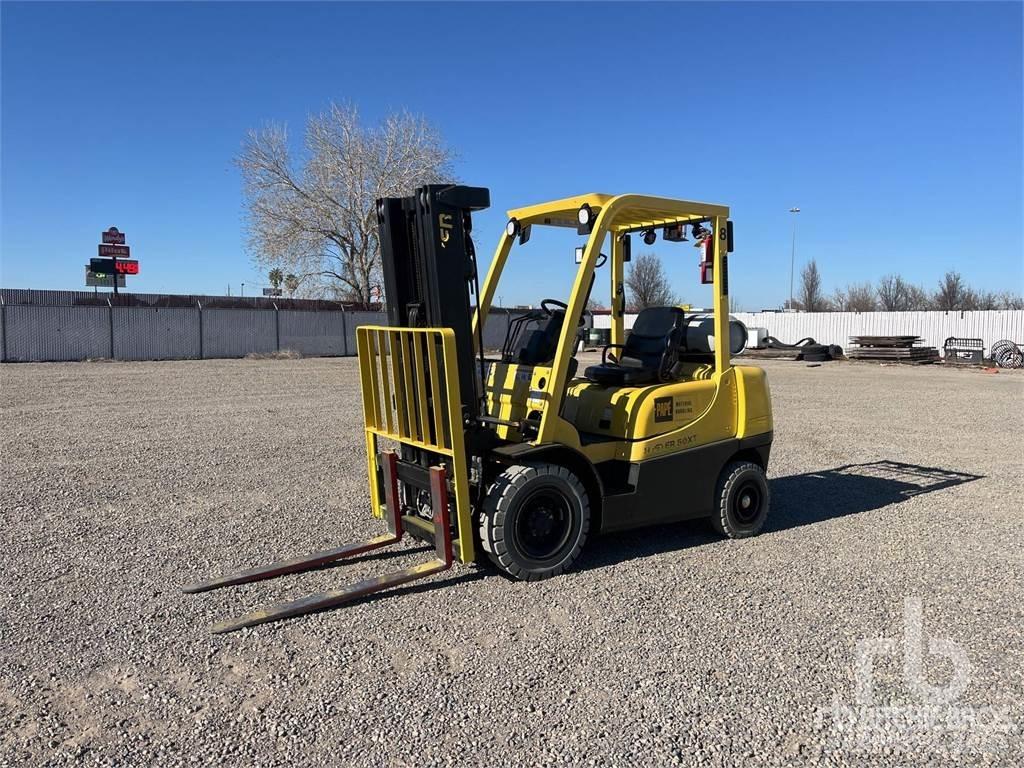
column 729, row 477
column 497, row 503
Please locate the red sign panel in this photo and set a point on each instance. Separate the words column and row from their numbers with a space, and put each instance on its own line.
column 113, row 235
column 127, row 267
column 120, row 251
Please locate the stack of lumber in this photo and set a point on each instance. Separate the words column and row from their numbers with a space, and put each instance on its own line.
column 772, row 353
column 892, row 349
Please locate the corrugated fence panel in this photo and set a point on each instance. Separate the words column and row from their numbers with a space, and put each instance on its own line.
column 496, row 328
column 933, row 327
column 837, row 327
column 156, row 333
column 354, row 320
column 316, row 334
column 3, row 333
column 41, row 333
column 237, row 332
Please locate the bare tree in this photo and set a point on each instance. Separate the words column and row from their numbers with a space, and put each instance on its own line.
column 315, row 214
column 918, row 298
column 856, row 297
column 811, row 295
column 1010, row 300
column 953, row 293
column 893, row 294
column 647, row 283
column 986, row 300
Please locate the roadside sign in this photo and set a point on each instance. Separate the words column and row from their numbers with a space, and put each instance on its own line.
column 101, row 280
column 113, row 260
column 114, row 266
column 118, row 251
column 113, row 236
column 271, row 291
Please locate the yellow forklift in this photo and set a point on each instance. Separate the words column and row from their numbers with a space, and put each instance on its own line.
column 520, row 456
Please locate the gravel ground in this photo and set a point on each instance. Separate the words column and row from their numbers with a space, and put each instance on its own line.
column 667, row 646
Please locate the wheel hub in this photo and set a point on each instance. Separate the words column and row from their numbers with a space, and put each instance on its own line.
column 544, row 524
column 541, row 522
column 748, row 503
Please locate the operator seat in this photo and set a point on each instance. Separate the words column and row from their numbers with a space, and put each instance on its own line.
column 542, row 342
column 651, row 352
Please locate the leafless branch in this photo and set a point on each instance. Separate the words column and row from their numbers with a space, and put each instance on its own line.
column 314, row 214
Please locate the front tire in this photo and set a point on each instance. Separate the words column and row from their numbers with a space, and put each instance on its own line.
column 535, row 521
column 741, row 500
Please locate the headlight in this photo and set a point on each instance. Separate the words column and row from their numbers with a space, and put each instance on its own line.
column 512, row 228
column 585, row 215
column 650, row 236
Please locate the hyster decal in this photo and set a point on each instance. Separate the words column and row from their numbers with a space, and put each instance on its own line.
column 663, row 409
column 668, row 445
column 444, row 220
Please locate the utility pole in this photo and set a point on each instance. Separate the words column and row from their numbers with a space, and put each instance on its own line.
column 792, row 257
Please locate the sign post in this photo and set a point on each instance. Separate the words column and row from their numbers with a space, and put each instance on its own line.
column 113, row 262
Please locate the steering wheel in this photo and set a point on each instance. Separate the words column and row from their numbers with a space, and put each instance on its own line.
column 559, row 304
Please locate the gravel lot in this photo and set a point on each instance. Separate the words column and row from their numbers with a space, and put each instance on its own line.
column 668, row 646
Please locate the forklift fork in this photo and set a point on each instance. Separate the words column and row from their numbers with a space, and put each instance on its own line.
column 393, row 513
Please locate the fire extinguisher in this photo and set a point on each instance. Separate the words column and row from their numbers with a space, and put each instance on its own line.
column 707, row 264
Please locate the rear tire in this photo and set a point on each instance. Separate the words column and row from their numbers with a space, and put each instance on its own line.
column 814, row 353
column 535, row 521
column 741, row 500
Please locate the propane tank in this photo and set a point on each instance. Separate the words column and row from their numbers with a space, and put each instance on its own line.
column 700, row 333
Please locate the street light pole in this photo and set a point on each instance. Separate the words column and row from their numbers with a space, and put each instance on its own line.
column 792, row 257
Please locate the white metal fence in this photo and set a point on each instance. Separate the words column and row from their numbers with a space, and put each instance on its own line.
column 837, row 327
column 56, row 332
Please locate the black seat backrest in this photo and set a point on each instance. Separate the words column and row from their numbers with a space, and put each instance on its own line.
column 542, row 342
column 649, row 340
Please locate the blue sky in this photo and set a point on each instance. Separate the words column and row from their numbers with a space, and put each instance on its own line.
column 897, row 128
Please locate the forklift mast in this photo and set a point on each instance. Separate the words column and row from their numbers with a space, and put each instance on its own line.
column 430, row 270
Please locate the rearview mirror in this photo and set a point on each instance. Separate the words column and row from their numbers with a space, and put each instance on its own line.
column 601, row 258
